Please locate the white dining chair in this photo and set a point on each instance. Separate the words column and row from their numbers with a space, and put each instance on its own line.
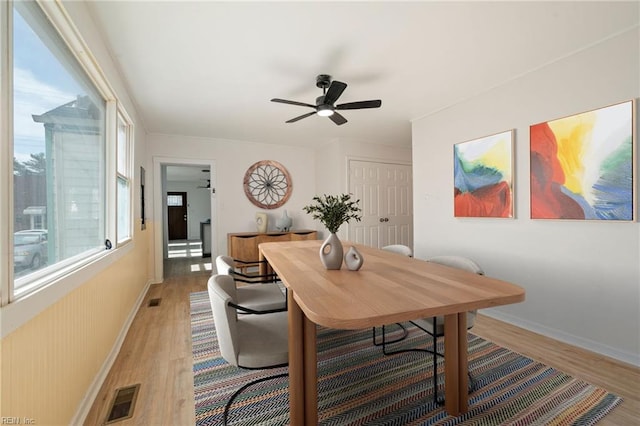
column 404, row 251
column 435, row 326
column 256, row 295
column 399, row 249
column 256, row 341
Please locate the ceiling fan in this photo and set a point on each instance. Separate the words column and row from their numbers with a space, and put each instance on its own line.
column 324, row 107
column 208, row 185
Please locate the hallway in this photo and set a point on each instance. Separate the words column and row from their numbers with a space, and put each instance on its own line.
column 185, row 258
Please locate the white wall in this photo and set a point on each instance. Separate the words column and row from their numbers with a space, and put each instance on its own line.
column 235, row 213
column 582, row 278
column 312, row 171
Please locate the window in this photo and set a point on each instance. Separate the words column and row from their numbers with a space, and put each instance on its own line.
column 63, row 211
column 174, row 200
column 123, row 179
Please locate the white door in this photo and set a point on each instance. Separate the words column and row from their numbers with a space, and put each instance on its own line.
column 385, row 194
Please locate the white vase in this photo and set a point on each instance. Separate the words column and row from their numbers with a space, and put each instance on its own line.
column 284, row 223
column 331, row 252
column 353, row 259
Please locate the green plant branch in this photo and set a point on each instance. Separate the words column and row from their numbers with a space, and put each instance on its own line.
column 334, row 210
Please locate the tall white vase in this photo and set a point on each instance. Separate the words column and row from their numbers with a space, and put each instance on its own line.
column 284, row 223
column 331, row 252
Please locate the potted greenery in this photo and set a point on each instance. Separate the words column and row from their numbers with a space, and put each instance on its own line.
column 333, row 211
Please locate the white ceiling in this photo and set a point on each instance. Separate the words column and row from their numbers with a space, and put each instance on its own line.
column 209, row 69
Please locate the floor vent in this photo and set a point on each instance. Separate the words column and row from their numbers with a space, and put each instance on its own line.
column 154, row 302
column 123, row 403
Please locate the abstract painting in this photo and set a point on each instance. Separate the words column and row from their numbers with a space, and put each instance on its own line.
column 483, row 184
column 582, row 166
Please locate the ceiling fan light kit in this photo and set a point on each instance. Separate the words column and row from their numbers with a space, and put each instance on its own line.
column 324, row 110
column 324, row 107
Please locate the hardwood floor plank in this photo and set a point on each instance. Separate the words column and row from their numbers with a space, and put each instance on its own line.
column 617, row 377
column 157, row 354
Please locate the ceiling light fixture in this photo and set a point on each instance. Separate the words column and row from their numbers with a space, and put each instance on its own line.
column 325, row 110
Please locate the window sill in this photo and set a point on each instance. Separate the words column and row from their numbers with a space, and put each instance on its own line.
column 25, row 308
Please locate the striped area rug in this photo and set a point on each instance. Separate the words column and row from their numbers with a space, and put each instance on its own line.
column 358, row 385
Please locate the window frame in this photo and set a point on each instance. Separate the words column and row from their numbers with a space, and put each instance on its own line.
column 127, row 174
column 47, row 286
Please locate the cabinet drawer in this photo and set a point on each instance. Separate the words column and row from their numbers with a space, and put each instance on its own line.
column 244, row 247
column 272, row 238
column 304, row 235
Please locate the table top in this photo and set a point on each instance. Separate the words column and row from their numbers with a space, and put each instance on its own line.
column 388, row 288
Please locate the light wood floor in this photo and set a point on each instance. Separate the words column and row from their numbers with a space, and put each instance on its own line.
column 157, row 354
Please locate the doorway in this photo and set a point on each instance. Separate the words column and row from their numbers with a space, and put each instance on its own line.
column 184, row 192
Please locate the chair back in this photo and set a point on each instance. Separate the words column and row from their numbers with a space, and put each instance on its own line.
column 459, row 262
column 399, row 249
column 465, row 264
column 222, row 291
column 224, row 265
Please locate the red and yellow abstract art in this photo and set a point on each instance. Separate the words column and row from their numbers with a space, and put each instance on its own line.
column 483, row 184
column 582, row 166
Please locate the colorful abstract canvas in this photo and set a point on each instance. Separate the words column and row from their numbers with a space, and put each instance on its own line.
column 483, row 184
column 582, row 166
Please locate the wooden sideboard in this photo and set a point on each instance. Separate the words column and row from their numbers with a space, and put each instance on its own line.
column 244, row 245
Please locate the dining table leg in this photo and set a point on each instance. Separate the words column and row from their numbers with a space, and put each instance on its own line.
column 456, row 364
column 310, row 373
column 296, row 361
column 303, row 366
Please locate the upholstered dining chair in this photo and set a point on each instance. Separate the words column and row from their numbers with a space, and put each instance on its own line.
column 430, row 325
column 246, row 278
column 435, row 326
column 400, row 249
column 404, row 251
column 257, row 341
column 253, row 295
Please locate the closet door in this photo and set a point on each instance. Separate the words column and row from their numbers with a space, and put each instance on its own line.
column 385, row 194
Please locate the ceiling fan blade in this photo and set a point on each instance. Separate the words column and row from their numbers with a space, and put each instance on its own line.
column 334, row 92
column 360, row 105
column 293, row 120
column 337, row 118
column 284, row 101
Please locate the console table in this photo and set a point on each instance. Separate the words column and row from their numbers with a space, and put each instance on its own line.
column 243, row 246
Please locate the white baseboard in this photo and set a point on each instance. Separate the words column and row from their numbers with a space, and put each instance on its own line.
column 92, row 392
column 590, row 345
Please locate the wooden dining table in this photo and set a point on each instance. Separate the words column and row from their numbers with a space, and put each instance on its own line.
column 389, row 288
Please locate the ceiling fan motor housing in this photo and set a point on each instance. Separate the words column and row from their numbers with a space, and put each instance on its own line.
column 323, row 81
